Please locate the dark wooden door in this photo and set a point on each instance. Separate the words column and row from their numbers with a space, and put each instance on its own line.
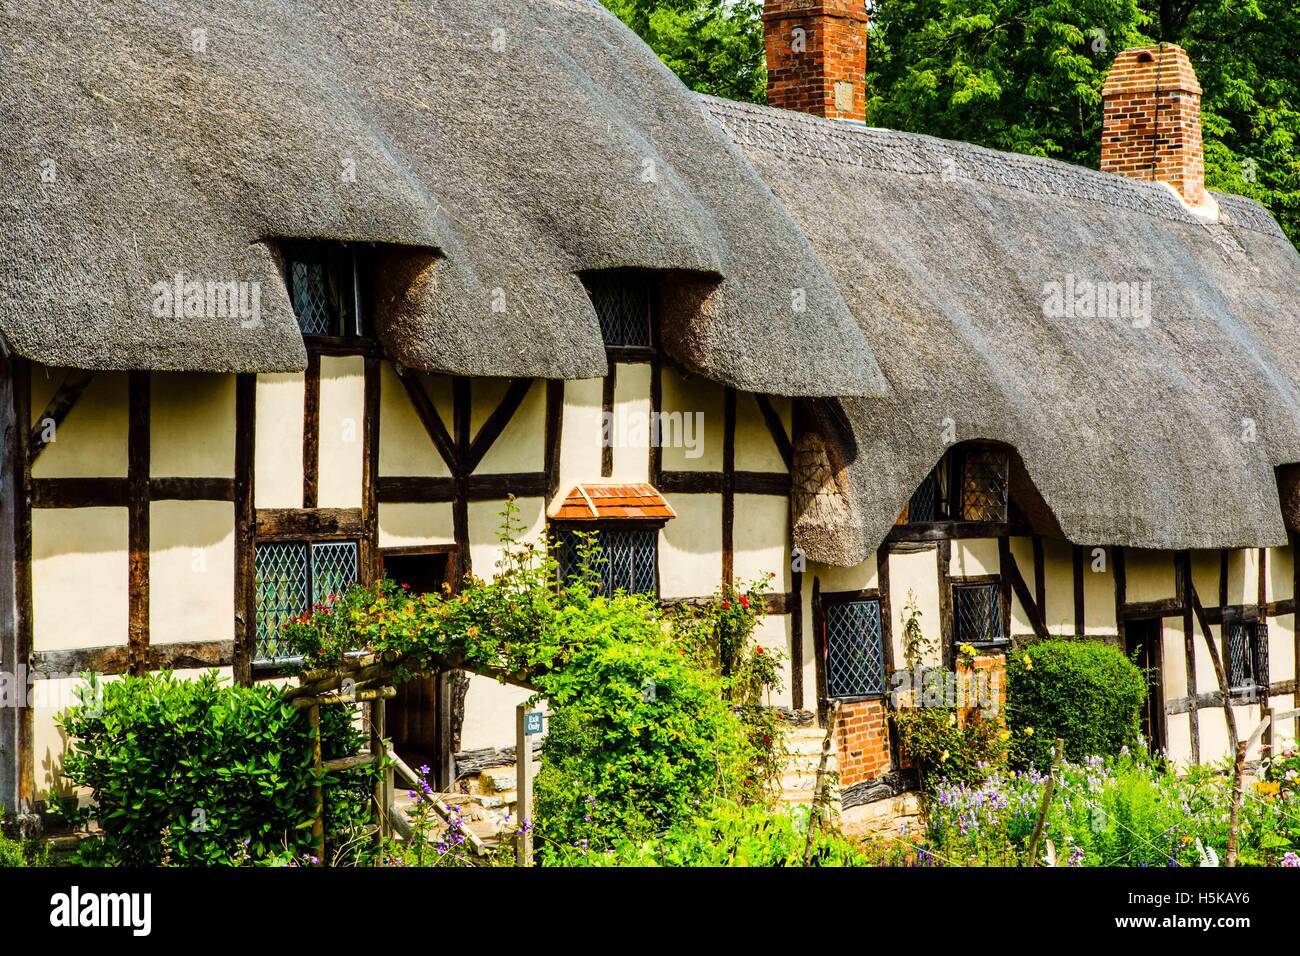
column 1144, row 646
column 418, row 717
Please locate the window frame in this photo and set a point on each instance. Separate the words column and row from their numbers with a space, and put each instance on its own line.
column 1256, row 631
column 596, row 283
column 360, row 338
column 948, row 478
column 652, row 526
column 823, row 601
column 274, row 664
column 996, row 586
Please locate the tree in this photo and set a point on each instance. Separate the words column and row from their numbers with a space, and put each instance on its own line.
column 1026, row 75
column 714, row 46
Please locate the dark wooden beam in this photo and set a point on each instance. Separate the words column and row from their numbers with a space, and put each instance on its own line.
column 496, row 422
column 184, row 655
column 777, row 430
column 819, row 650
column 56, row 410
column 1080, row 625
column 716, row 483
column 796, row 641
column 606, row 421
column 192, row 489
column 729, row 490
column 462, row 403
column 1040, row 580
column 245, row 528
column 311, row 432
column 1011, row 574
column 395, row 488
column 1191, row 704
column 1137, row 610
column 656, row 407
column 1184, row 567
column 886, row 610
column 80, row 492
column 943, row 562
column 952, row 530
column 370, row 564
column 429, row 418
column 291, row 522
column 138, row 521
column 1121, row 590
column 554, row 435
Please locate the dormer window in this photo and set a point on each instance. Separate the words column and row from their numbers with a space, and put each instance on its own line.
column 325, row 285
column 968, row 484
column 623, row 306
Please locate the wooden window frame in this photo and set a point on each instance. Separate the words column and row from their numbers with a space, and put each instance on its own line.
column 822, row 639
column 1256, row 626
column 621, row 524
column 948, row 477
column 418, row 551
column 361, row 340
column 1001, row 587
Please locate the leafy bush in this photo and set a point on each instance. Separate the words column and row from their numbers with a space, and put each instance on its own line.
column 943, row 747
column 1117, row 811
column 15, row 853
column 194, row 772
column 726, row 834
column 1085, row 692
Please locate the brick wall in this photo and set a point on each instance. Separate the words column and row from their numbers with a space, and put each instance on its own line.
column 817, row 56
column 1152, row 120
column 862, row 740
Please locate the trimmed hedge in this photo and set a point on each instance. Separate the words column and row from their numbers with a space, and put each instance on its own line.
column 1085, row 692
column 198, row 773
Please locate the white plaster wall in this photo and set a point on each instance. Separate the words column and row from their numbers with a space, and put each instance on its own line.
column 91, row 442
column 522, row 445
column 342, row 426
column 1173, row 670
column 490, row 713
column 1022, row 550
column 79, row 577
column 772, row 632
column 755, row 448
column 631, row 435
column 690, row 395
column 192, row 425
column 484, row 522
column 404, row 524
column 277, row 457
column 975, row 556
column 1280, row 576
column 1058, row 570
column 760, row 537
column 690, row 547
column 1098, row 593
column 191, row 571
column 405, row 448
column 580, row 433
column 914, row 577
column 1149, row 576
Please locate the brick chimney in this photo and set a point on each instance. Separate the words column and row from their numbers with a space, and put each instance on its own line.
column 1152, row 120
column 817, row 56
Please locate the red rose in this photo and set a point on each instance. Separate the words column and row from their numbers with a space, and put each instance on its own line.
column 744, row 602
column 726, row 605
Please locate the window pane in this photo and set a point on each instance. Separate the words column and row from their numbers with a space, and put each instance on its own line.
column 280, row 586
column 855, row 654
column 924, row 505
column 623, row 307
column 1260, row 634
column 333, row 568
column 984, row 485
column 977, row 613
column 626, row 559
column 1241, row 670
column 321, row 288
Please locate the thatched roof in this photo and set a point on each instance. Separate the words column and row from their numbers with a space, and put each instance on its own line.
column 499, row 150
column 1164, row 436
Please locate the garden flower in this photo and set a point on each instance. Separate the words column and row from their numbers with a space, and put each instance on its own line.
column 744, row 602
column 1029, row 731
column 1291, row 859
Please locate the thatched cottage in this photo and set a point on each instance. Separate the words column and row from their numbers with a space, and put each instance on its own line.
column 295, row 294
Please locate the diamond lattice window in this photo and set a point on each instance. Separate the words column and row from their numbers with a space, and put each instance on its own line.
column 855, row 650
column 1248, row 657
column 623, row 308
column 977, row 613
column 984, row 485
column 625, row 559
column 291, row 576
column 924, row 504
column 322, row 288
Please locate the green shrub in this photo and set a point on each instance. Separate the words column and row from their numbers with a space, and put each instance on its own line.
column 22, row 853
column 197, row 773
column 726, row 834
column 1085, row 692
column 941, row 747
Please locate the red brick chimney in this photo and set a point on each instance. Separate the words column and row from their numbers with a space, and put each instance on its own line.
column 817, row 56
column 1152, row 120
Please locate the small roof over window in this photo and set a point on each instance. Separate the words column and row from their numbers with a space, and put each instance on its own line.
column 612, row 503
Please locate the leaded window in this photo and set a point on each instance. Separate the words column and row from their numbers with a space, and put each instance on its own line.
column 1248, row 657
column 625, row 558
column 323, row 280
column 983, row 487
column 623, row 307
column 977, row 613
column 924, row 504
column 855, row 650
column 292, row 576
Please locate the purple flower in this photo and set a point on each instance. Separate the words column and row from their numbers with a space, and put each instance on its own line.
column 1291, row 859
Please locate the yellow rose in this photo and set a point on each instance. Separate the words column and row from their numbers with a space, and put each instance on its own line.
column 1029, row 663
column 943, row 756
column 1029, row 731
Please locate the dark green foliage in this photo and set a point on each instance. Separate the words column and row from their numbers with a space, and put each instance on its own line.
column 1085, row 692
column 195, row 773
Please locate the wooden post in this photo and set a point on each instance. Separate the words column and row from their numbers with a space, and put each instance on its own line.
column 1048, row 789
column 317, row 792
column 814, row 811
column 384, row 781
column 523, row 789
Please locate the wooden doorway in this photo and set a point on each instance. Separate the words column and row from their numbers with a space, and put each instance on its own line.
column 419, row 718
column 1143, row 643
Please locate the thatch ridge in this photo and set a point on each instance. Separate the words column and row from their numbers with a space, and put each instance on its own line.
column 1159, row 436
column 506, row 147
